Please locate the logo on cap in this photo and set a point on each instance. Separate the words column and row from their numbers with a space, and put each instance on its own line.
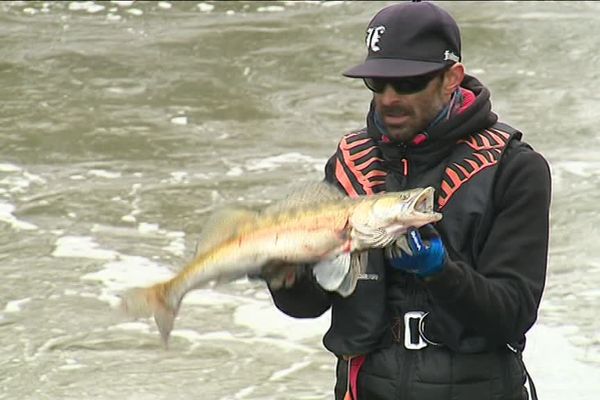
column 373, row 37
column 448, row 55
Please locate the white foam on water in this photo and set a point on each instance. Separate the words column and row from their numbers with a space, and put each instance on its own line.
column 129, row 271
column 6, row 215
column 145, row 227
column 270, row 9
column 179, row 177
column 176, row 247
column 131, row 327
column 113, row 17
column 135, row 11
column 81, row 247
column 165, row 5
column 580, row 168
column 179, row 120
column 235, row 171
column 16, row 305
column 95, row 8
column 526, row 72
column 30, row 11
column 554, row 367
column 205, row 7
column 101, row 173
column 294, row 2
column 123, row 3
column 275, row 162
column 331, row 3
column 196, row 337
column 88, row 6
column 295, row 367
column 70, row 367
column 590, row 293
column 135, row 202
column 126, row 272
column 245, row 392
column 21, row 182
column 176, row 244
column 209, row 297
column 264, row 319
column 129, row 218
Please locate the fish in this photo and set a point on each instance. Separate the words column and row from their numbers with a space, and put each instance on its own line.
column 317, row 225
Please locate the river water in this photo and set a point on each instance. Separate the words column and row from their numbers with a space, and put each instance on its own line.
column 123, row 125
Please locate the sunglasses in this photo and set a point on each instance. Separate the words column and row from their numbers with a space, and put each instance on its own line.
column 409, row 85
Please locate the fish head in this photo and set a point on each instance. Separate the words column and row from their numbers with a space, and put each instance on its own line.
column 381, row 219
column 396, row 212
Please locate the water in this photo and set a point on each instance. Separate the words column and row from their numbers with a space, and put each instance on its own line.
column 123, row 125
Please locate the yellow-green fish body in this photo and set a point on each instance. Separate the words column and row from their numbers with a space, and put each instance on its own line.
column 317, row 226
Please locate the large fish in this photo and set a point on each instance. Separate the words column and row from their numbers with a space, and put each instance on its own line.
column 318, row 225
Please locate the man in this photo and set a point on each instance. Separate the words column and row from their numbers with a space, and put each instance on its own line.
column 444, row 317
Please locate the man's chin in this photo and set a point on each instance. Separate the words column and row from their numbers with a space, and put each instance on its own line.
column 400, row 134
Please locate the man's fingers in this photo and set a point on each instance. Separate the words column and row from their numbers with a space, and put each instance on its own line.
column 290, row 276
column 428, row 232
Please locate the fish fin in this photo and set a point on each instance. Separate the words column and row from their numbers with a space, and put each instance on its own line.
column 330, row 273
column 372, row 237
column 300, row 197
column 223, row 225
column 402, row 244
column 358, row 267
column 164, row 318
column 400, row 248
column 151, row 301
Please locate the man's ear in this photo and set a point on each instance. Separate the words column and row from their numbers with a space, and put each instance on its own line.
column 453, row 78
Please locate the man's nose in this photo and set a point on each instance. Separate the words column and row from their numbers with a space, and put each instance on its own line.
column 389, row 96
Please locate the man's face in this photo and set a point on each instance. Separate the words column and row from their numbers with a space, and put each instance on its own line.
column 406, row 115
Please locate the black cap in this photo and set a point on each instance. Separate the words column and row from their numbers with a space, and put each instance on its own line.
column 409, row 39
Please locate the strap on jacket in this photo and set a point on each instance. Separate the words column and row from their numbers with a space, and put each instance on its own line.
column 486, row 149
column 354, row 366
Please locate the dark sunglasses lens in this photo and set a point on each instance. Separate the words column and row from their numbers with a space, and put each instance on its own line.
column 401, row 86
column 375, row 85
column 411, row 85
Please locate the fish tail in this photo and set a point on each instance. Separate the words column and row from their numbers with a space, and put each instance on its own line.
column 152, row 301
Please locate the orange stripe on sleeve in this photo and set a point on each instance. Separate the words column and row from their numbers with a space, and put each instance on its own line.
column 368, row 162
column 360, row 154
column 453, row 176
column 505, row 135
column 356, row 143
column 343, row 179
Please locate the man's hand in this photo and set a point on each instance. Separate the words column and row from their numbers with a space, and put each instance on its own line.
column 421, row 253
column 279, row 274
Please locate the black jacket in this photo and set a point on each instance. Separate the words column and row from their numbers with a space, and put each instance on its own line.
column 485, row 299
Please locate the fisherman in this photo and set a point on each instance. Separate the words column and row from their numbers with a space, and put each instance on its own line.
column 444, row 317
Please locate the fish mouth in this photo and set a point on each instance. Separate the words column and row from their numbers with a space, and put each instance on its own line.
column 423, row 203
column 423, row 207
column 421, row 211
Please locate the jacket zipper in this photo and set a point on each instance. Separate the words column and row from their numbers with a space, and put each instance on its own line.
column 404, row 167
